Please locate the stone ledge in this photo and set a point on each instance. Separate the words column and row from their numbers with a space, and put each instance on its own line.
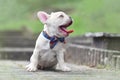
column 14, row 70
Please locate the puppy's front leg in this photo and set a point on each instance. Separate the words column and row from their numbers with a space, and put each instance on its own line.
column 33, row 61
column 61, row 64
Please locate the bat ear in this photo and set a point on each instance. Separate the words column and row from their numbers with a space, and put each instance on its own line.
column 43, row 16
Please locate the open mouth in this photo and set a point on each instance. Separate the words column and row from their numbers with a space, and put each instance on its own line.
column 63, row 28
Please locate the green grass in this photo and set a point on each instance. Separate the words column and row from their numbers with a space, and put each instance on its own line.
column 88, row 15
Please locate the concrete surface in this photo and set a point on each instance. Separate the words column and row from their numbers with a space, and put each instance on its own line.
column 14, row 70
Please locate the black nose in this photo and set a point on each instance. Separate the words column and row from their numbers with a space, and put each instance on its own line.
column 70, row 17
column 70, row 22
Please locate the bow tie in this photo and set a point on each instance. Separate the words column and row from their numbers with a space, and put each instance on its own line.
column 53, row 40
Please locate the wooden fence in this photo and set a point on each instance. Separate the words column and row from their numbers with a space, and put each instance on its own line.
column 93, row 57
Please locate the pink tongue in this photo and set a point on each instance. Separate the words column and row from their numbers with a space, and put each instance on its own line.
column 70, row 31
column 67, row 31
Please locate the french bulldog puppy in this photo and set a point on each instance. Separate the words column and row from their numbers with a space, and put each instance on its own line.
column 49, row 50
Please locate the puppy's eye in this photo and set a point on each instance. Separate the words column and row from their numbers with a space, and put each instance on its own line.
column 61, row 16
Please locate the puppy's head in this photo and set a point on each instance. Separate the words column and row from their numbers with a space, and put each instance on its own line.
column 56, row 23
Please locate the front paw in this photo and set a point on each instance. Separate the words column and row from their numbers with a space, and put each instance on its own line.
column 63, row 68
column 31, row 67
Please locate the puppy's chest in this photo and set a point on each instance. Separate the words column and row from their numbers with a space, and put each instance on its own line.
column 59, row 46
column 46, row 44
column 56, row 47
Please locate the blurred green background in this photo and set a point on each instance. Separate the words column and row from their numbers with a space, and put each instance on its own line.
column 88, row 15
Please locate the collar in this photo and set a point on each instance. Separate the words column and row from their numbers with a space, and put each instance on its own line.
column 53, row 40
